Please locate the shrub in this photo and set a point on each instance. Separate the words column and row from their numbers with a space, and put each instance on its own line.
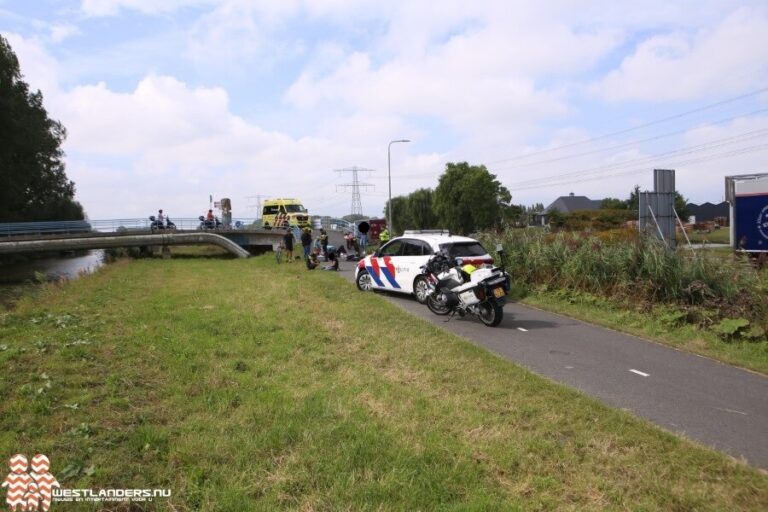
column 622, row 265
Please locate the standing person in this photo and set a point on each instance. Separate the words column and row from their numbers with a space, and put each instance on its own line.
column 384, row 235
column 160, row 218
column 348, row 240
column 324, row 242
column 363, row 228
column 288, row 242
column 306, row 242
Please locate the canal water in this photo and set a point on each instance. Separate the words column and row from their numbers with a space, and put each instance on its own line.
column 51, row 269
column 19, row 278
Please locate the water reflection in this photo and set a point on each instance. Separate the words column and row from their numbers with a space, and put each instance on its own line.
column 53, row 268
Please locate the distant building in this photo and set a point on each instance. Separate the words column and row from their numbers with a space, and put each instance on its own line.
column 566, row 204
column 708, row 212
column 573, row 203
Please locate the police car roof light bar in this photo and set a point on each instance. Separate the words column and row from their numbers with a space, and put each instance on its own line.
column 427, row 232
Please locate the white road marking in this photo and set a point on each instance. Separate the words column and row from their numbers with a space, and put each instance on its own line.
column 522, row 330
column 640, row 373
column 569, row 367
column 731, row 410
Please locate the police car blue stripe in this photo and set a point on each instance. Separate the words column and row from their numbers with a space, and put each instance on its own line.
column 373, row 275
column 390, row 278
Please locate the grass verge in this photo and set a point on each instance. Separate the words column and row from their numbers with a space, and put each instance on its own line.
column 244, row 385
column 662, row 324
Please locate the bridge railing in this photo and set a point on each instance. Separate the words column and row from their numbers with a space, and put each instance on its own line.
column 107, row 226
column 133, row 225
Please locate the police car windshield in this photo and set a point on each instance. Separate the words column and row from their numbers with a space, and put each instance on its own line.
column 464, row 249
column 295, row 208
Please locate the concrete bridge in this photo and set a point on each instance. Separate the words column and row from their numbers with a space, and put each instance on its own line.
column 240, row 238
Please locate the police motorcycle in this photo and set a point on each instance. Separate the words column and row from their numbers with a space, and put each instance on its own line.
column 159, row 225
column 458, row 288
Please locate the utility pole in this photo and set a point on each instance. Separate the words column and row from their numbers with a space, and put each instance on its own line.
column 357, row 205
column 258, row 198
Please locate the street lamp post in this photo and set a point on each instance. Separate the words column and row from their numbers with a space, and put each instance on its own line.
column 389, row 178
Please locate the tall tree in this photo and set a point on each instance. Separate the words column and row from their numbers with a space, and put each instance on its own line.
column 468, row 198
column 421, row 212
column 34, row 184
column 611, row 203
column 401, row 217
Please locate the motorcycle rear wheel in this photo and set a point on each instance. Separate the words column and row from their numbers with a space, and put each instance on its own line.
column 436, row 306
column 490, row 313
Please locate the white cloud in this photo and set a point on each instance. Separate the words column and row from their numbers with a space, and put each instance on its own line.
column 40, row 69
column 112, row 7
column 727, row 59
column 62, row 31
column 240, row 29
column 164, row 135
column 479, row 76
column 463, row 81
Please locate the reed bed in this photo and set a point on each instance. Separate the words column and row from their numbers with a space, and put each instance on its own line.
column 639, row 271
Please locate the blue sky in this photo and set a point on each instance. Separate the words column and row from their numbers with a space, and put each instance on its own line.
column 168, row 102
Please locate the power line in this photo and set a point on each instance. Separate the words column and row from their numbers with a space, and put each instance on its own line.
column 735, row 152
column 357, row 204
column 258, row 198
column 626, row 144
column 635, row 128
column 687, row 150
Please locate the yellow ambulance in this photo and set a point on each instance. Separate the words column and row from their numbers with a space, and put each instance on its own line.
column 283, row 213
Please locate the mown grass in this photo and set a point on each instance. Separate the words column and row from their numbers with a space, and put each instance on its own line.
column 244, row 385
column 717, row 236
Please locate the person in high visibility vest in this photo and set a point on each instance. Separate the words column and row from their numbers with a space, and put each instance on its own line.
column 384, row 236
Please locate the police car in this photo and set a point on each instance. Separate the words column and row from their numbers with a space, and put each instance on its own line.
column 396, row 266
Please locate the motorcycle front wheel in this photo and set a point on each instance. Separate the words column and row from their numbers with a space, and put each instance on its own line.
column 438, row 305
column 490, row 313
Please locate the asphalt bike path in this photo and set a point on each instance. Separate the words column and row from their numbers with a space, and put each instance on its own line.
column 715, row 404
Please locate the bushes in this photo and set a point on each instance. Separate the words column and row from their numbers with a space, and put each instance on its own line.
column 620, row 265
column 601, row 219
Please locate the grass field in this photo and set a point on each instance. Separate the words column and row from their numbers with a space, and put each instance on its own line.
column 244, row 385
column 717, row 236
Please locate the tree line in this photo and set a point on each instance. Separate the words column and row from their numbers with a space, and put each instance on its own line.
column 467, row 198
column 33, row 182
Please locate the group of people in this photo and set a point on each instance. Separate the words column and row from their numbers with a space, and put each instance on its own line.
column 311, row 257
column 360, row 247
column 314, row 249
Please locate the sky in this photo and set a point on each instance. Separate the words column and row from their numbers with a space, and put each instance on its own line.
column 169, row 102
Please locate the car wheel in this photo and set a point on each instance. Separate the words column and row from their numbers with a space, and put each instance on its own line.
column 421, row 289
column 364, row 281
